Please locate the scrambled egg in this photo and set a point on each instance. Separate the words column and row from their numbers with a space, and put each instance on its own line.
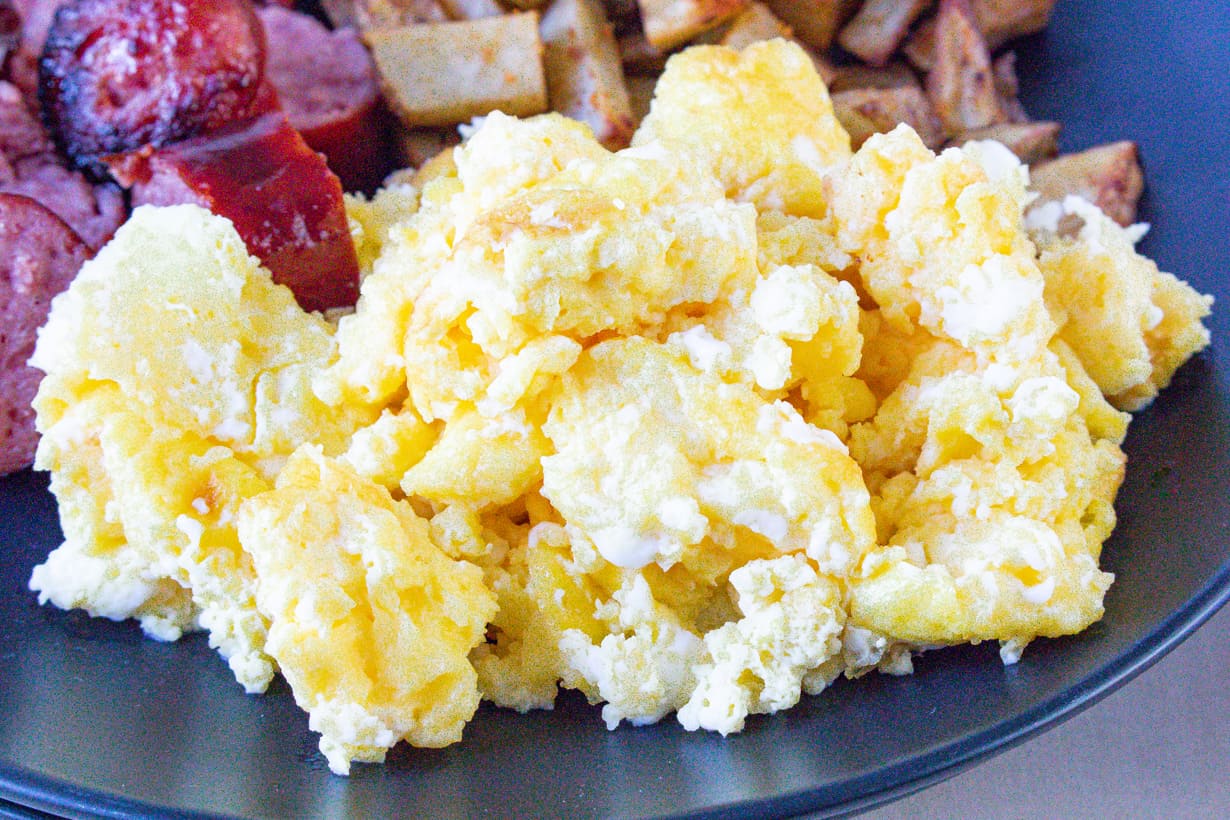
column 369, row 621
column 693, row 427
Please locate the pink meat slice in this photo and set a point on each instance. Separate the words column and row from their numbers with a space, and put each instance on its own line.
column 36, row 18
column 39, row 256
column 10, row 28
column 93, row 211
column 22, row 71
column 31, row 167
column 327, row 86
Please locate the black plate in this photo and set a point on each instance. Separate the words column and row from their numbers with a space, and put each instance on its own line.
column 96, row 719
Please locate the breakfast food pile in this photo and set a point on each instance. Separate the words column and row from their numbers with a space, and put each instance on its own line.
column 692, row 427
column 263, row 113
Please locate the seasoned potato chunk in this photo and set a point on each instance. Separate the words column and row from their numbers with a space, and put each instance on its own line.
column 443, row 73
column 584, row 76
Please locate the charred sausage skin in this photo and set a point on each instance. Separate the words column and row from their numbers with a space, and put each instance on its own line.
column 116, row 75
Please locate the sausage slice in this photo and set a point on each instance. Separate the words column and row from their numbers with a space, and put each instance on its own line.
column 326, row 82
column 29, row 165
column 119, row 74
column 39, row 256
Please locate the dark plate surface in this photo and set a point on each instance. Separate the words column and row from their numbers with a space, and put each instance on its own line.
column 96, row 719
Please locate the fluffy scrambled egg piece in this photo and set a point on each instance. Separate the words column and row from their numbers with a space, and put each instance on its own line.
column 178, row 380
column 692, row 427
column 370, row 622
column 1130, row 324
column 760, row 121
column 661, row 496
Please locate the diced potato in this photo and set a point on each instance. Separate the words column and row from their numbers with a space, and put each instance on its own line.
column 471, row 9
column 856, row 75
column 446, row 73
column 1002, row 20
column 919, row 45
column 1003, row 72
column 815, row 22
column 370, row 14
column 878, row 27
column 753, row 24
column 585, row 79
column 867, row 111
column 1032, row 142
column 671, row 23
column 998, row 20
column 961, row 86
column 1108, row 175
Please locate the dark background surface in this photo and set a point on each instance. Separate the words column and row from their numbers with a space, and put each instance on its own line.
column 95, row 718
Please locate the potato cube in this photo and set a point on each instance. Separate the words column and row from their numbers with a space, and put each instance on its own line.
column 998, row 20
column 856, row 75
column 1032, row 142
column 471, row 9
column 879, row 27
column 753, row 24
column 867, row 111
column 370, row 14
column 961, row 86
column 1001, row 20
column 585, row 79
column 815, row 22
column 445, row 73
column 1108, row 175
column 671, row 23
